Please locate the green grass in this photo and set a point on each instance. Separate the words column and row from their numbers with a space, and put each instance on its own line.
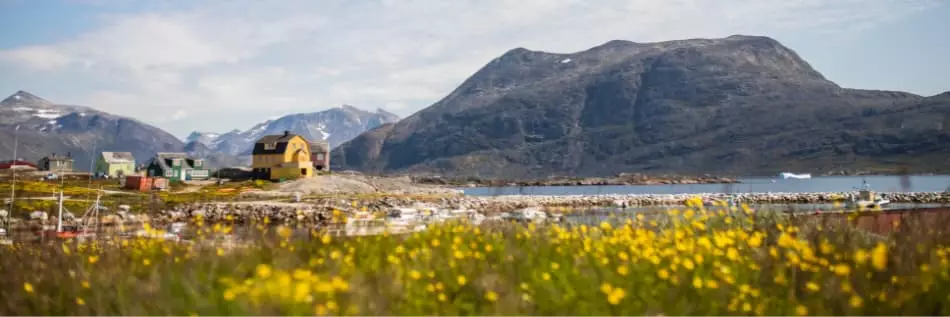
column 685, row 262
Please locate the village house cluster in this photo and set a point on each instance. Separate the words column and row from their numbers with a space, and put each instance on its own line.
column 274, row 157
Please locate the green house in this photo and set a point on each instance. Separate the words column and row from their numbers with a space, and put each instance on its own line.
column 115, row 164
column 177, row 167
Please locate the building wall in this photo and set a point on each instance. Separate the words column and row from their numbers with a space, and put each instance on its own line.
column 322, row 160
column 56, row 165
column 198, row 174
column 265, row 161
column 292, row 171
column 65, row 166
column 125, row 168
column 113, row 169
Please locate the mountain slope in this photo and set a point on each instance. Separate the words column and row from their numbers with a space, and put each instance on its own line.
column 335, row 125
column 46, row 127
column 741, row 104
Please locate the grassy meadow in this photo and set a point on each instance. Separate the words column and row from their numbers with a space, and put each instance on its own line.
column 690, row 261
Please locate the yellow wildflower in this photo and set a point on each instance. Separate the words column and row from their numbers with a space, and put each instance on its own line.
column 688, row 264
column 491, row 296
column 229, row 295
column 879, row 257
column 755, row 241
column 415, row 274
column 461, row 280
column 93, row 259
column 846, row 287
column 321, row 310
column 616, row 295
column 841, row 270
column 801, row 310
column 80, row 301
column 780, row 279
column 732, row 254
column 812, row 286
column 28, row 287
column 623, row 270
column 856, row 301
column 860, row 257
column 263, row 271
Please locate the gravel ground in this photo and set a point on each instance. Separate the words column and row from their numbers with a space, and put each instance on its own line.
column 359, row 184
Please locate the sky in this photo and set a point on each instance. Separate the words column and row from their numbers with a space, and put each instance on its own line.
column 219, row 65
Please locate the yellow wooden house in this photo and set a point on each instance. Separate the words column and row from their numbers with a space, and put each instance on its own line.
column 281, row 157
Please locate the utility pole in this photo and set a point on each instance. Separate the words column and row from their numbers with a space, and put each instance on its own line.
column 13, row 167
column 92, row 160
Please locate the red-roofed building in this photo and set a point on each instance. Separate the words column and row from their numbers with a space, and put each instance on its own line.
column 18, row 164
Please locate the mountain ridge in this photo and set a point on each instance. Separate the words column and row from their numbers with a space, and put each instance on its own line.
column 42, row 127
column 625, row 107
column 335, row 126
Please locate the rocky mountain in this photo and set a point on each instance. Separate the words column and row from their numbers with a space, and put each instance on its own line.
column 741, row 104
column 335, row 125
column 42, row 127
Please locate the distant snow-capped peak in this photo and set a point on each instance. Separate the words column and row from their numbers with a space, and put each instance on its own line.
column 334, row 125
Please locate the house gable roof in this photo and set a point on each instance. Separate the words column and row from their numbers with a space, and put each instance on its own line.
column 279, row 141
column 118, row 157
column 162, row 158
column 56, row 157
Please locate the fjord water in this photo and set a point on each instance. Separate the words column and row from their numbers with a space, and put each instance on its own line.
column 920, row 183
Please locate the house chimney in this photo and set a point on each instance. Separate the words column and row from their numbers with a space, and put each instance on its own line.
column 286, row 132
column 69, row 154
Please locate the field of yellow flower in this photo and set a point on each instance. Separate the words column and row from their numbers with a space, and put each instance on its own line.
column 693, row 261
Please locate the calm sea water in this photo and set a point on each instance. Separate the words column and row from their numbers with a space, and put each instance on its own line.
column 936, row 183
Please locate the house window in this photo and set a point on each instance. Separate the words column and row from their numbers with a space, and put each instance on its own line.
column 320, row 156
column 270, row 146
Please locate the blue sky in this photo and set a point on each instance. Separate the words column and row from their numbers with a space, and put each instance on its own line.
column 177, row 64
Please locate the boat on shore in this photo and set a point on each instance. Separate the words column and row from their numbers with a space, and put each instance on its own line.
column 866, row 198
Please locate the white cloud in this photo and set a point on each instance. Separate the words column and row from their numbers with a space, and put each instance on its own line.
column 172, row 65
column 39, row 58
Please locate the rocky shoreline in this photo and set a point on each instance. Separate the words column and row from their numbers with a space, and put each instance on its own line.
column 320, row 211
column 619, row 180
